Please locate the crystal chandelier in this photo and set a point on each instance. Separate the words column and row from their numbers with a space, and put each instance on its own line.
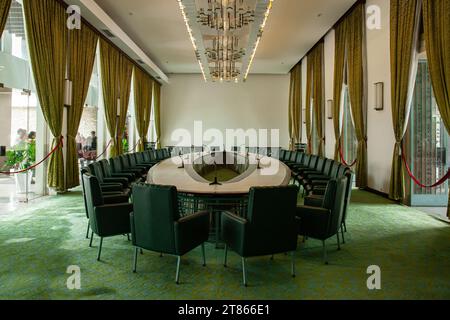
column 224, row 15
column 225, row 54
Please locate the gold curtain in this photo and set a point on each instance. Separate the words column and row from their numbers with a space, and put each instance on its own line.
column 125, row 74
column 4, row 11
column 357, row 89
column 295, row 106
column 436, row 20
column 47, row 43
column 143, row 88
column 109, row 62
column 309, row 95
column 83, row 45
column 403, row 33
column 318, row 92
column 157, row 111
column 339, row 67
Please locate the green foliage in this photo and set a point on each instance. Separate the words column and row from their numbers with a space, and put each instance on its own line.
column 21, row 156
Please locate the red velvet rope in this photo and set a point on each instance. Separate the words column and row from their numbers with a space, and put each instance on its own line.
column 343, row 160
column 104, row 151
column 59, row 145
column 416, row 181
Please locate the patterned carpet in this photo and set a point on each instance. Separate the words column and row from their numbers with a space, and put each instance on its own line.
column 37, row 245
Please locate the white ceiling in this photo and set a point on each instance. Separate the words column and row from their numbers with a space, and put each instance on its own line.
column 157, row 27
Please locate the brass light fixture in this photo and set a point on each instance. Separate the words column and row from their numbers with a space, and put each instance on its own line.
column 225, row 35
column 225, row 15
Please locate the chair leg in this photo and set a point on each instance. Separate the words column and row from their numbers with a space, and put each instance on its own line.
column 88, row 228
column 345, row 226
column 272, row 257
column 92, row 238
column 203, row 253
column 100, row 249
column 142, row 251
column 225, row 257
column 177, row 275
column 343, row 237
column 325, row 258
column 293, row 264
column 338, row 241
column 128, row 237
column 136, row 250
column 244, row 272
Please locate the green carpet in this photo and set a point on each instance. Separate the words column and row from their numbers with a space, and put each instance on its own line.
column 38, row 243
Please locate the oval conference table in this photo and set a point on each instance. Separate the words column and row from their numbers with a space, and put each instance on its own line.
column 196, row 193
column 181, row 172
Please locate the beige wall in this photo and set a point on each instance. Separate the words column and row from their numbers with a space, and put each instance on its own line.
column 259, row 103
column 262, row 102
column 379, row 127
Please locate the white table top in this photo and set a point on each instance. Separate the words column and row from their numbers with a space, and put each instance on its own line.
column 273, row 173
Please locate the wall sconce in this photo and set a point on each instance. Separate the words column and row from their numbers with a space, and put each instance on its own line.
column 379, row 96
column 330, row 109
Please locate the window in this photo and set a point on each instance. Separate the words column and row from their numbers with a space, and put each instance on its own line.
column 349, row 142
column 428, row 142
column 22, row 127
column 87, row 136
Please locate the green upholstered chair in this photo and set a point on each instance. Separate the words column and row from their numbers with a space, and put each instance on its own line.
column 97, row 170
column 108, row 172
column 156, row 224
column 119, row 168
column 127, row 165
column 317, row 201
column 324, row 222
column 109, row 197
column 269, row 227
column 106, row 220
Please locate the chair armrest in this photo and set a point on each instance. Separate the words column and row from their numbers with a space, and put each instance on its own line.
column 122, row 181
column 314, row 201
column 191, row 231
column 115, row 199
column 313, row 221
column 113, row 219
column 233, row 231
column 111, row 188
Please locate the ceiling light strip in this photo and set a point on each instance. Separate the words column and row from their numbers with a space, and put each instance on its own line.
column 191, row 36
column 258, row 40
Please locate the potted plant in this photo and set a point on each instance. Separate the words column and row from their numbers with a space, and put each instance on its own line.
column 21, row 158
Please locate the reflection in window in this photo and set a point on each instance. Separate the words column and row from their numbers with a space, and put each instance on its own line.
column 349, row 141
column 430, row 154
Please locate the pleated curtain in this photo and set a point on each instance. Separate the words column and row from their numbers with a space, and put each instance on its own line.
column 82, row 49
column 125, row 76
column 404, row 18
column 157, row 111
column 339, row 72
column 47, row 43
column 143, row 91
column 309, row 96
column 436, row 20
column 319, row 91
column 4, row 11
column 295, row 106
column 109, row 63
column 357, row 88
column 117, row 71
